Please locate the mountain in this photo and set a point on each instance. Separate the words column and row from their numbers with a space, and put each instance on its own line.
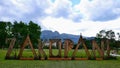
column 74, row 38
column 47, row 34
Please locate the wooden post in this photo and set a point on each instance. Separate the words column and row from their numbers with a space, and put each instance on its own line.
column 12, row 43
column 102, row 47
column 66, row 48
column 108, row 48
column 40, row 50
column 60, row 48
column 50, row 48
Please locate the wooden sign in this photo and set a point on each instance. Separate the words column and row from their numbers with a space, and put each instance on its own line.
column 68, row 45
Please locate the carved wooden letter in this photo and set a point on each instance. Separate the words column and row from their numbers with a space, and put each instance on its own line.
column 68, row 45
column 85, row 47
column 26, row 43
column 95, row 46
column 58, row 41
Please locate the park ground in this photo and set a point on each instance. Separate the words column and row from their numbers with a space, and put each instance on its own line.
column 56, row 63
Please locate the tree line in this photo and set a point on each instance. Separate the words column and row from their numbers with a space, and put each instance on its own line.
column 108, row 34
column 103, row 35
column 114, row 38
column 19, row 30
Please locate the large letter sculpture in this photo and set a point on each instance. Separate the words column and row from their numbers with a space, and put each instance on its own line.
column 58, row 42
column 95, row 46
column 26, row 43
column 68, row 45
column 81, row 41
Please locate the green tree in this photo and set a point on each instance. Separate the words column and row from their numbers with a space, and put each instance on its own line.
column 118, row 42
column 9, row 29
column 3, row 34
column 101, row 34
column 19, row 30
column 110, row 34
column 118, row 36
column 34, row 32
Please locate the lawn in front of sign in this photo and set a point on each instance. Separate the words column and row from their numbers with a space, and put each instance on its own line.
column 55, row 63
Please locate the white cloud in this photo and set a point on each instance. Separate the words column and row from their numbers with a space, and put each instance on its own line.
column 87, row 28
column 87, row 17
column 24, row 10
column 60, row 8
column 63, row 8
column 5, row 19
column 15, row 7
column 99, row 10
column 30, row 9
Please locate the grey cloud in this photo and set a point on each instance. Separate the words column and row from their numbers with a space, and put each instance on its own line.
column 32, row 9
column 27, row 10
column 104, row 10
column 105, row 16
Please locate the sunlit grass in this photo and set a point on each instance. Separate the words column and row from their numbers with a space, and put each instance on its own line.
column 55, row 64
column 27, row 53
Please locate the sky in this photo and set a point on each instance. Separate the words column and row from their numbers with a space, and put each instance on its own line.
column 65, row 16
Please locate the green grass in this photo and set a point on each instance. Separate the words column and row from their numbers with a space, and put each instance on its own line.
column 55, row 64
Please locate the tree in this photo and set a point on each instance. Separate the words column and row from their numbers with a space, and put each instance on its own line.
column 9, row 29
column 118, row 41
column 3, row 34
column 34, row 32
column 118, row 36
column 101, row 34
column 110, row 34
column 19, row 30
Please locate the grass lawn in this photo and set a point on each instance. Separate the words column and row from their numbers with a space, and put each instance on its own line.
column 55, row 64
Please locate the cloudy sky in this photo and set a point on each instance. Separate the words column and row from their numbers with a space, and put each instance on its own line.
column 65, row 16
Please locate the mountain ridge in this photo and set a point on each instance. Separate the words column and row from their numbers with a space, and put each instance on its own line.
column 48, row 34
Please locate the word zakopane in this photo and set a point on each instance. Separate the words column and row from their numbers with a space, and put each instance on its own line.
column 68, row 44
